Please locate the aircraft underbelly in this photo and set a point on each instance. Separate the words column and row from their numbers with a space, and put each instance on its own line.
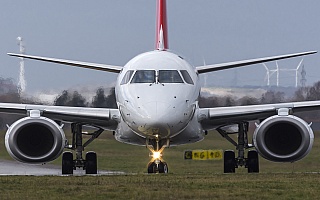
column 125, row 134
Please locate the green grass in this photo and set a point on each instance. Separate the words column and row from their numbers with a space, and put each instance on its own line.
column 187, row 179
column 172, row 186
column 116, row 156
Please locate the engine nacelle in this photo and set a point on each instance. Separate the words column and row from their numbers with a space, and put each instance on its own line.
column 283, row 138
column 35, row 140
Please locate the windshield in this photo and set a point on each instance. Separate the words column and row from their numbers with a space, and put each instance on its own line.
column 169, row 76
column 186, row 76
column 144, row 76
column 127, row 77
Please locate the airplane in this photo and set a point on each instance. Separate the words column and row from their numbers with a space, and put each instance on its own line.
column 157, row 97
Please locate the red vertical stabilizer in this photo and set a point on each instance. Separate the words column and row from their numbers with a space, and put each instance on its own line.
column 161, row 26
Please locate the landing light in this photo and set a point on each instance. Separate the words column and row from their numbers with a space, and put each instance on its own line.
column 156, row 155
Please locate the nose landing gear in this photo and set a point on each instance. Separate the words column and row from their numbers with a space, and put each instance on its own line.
column 157, row 167
column 157, row 164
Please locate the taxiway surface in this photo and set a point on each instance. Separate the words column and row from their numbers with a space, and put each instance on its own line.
column 16, row 168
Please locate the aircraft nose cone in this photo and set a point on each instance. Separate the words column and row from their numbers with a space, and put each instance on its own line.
column 162, row 119
column 158, row 110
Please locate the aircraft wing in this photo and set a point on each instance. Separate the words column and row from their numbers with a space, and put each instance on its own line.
column 229, row 65
column 212, row 118
column 102, row 117
column 95, row 66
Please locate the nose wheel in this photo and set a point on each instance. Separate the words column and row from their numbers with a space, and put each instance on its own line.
column 157, row 165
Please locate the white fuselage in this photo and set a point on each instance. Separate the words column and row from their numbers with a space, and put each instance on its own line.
column 157, row 95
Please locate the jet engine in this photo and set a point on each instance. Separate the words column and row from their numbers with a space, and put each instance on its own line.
column 35, row 140
column 283, row 138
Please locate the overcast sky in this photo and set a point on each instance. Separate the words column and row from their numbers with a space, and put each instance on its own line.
column 114, row 31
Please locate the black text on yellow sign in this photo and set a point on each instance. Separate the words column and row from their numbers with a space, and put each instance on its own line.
column 203, row 154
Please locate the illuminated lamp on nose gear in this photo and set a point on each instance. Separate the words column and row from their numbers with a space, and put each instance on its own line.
column 156, row 155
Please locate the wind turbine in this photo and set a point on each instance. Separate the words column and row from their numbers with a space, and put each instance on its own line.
column 295, row 70
column 270, row 72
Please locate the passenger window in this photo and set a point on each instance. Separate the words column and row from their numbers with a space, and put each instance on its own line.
column 127, row 77
column 144, row 76
column 186, row 76
column 169, row 76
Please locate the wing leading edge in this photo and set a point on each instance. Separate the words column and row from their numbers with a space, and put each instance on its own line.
column 229, row 65
column 95, row 66
column 102, row 117
column 212, row 118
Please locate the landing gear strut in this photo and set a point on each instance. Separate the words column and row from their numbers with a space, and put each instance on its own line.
column 230, row 161
column 157, row 164
column 89, row 164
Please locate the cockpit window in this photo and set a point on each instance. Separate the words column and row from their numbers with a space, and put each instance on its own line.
column 186, row 76
column 169, row 76
column 127, row 77
column 144, row 76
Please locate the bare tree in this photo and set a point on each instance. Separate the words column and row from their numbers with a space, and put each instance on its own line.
column 100, row 99
column 247, row 100
column 314, row 92
column 301, row 94
column 272, row 97
column 67, row 99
